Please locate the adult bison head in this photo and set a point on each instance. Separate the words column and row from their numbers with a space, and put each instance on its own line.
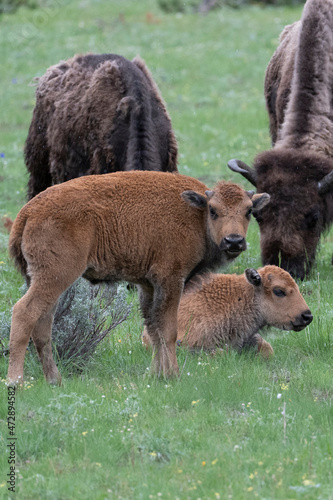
column 301, row 206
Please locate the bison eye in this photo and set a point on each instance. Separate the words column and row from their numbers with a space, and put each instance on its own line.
column 213, row 213
column 278, row 292
column 248, row 213
column 311, row 219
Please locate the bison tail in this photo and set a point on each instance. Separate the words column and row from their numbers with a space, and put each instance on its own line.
column 15, row 243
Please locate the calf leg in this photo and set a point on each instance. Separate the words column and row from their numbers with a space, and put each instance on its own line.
column 33, row 316
column 265, row 348
column 41, row 335
column 162, row 327
column 256, row 341
column 27, row 312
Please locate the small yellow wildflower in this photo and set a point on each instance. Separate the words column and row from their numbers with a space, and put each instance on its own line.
column 2, row 485
column 195, row 402
column 203, row 463
column 98, row 464
column 84, row 433
column 309, row 482
column 250, row 488
column 284, row 387
column 214, row 461
column 180, row 471
column 153, row 454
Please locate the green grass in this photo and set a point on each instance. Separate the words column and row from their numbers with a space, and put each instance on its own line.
column 222, row 430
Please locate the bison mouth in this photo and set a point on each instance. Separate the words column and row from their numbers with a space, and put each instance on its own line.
column 233, row 245
column 303, row 320
column 233, row 253
column 298, row 328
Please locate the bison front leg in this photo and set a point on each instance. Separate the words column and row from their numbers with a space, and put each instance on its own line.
column 264, row 347
column 161, row 325
column 256, row 341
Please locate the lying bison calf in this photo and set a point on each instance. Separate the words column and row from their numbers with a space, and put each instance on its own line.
column 219, row 309
column 153, row 229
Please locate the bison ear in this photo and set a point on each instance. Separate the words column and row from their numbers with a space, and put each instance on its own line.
column 250, row 194
column 260, row 200
column 194, row 199
column 253, row 277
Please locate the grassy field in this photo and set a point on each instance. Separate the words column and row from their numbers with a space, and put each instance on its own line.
column 232, row 426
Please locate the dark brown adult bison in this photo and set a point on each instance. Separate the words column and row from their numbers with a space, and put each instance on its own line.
column 153, row 229
column 96, row 114
column 298, row 171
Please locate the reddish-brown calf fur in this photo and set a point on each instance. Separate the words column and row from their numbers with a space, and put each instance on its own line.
column 226, row 309
column 96, row 114
column 153, row 229
column 296, row 172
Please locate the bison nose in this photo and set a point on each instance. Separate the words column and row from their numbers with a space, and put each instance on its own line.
column 234, row 243
column 303, row 320
column 307, row 317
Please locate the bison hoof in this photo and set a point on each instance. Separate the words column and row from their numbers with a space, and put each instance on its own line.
column 165, row 368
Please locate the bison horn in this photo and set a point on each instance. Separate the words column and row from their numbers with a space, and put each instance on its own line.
column 209, row 194
column 325, row 184
column 245, row 170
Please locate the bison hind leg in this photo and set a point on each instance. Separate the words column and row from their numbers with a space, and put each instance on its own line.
column 41, row 336
column 33, row 317
column 30, row 311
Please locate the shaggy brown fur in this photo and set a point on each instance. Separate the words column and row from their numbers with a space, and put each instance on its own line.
column 96, row 114
column 153, row 229
column 298, row 89
column 222, row 309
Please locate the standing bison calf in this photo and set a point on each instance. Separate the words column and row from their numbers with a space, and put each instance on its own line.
column 219, row 309
column 97, row 114
column 153, row 229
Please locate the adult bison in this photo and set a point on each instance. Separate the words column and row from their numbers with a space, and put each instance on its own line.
column 96, row 114
column 298, row 171
column 153, row 229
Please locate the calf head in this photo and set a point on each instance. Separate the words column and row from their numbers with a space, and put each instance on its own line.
column 281, row 302
column 228, row 210
column 300, row 208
